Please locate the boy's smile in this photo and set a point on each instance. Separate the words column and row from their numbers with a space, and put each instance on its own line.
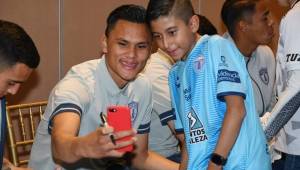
column 174, row 36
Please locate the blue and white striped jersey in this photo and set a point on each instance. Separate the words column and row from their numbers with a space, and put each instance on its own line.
column 214, row 69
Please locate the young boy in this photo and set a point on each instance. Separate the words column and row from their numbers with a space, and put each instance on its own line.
column 211, row 93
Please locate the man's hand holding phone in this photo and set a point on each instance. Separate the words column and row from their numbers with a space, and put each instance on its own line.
column 114, row 140
column 119, row 118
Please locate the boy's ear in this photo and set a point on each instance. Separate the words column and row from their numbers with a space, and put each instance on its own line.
column 194, row 23
column 104, row 44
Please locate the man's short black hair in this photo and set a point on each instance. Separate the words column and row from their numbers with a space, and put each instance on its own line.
column 182, row 9
column 16, row 46
column 205, row 26
column 132, row 13
column 234, row 11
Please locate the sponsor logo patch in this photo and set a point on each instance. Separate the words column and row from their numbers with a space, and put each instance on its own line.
column 292, row 57
column 197, row 131
column 226, row 75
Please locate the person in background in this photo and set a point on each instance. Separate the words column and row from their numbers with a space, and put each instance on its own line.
column 211, row 93
column 70, row 134
column 162, row 138
column 18, row 58
column 251, row 29
column 285, row 115
column 205, row 26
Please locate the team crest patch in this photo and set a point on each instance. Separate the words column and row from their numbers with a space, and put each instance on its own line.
column 199, row 64
column 134, row 110
column 264, row 76
column 197, row 132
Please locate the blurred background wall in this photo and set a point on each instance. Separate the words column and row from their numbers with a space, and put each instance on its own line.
column 68, row 32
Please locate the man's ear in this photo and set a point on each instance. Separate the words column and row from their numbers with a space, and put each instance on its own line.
column 194, row 23
column 242, row 26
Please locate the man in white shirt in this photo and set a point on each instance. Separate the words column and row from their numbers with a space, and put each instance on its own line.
column 251, row 31
column 70, row 134
column 288, row 87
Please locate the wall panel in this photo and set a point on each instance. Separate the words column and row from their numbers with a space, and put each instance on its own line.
column 82, row 27
column 40, row 20
column 212, row 10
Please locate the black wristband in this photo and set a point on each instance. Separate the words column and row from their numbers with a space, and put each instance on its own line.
column 218, row 159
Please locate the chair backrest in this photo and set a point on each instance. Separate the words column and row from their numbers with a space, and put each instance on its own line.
column 22, row 121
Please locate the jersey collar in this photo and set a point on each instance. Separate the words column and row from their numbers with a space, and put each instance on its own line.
column 107, row 81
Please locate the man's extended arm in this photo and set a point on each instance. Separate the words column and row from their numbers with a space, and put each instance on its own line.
column 68, row 147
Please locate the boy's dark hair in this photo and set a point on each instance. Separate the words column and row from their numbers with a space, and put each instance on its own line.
column 205, row 26
column 179, row 8
column 16, row 46
column 235, row 10
column 132, row 13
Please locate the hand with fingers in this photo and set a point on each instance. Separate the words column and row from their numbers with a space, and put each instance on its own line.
column 68, row 147
column 99, row 143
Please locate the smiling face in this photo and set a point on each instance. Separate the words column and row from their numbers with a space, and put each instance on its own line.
column 128, row 47
column 260, row 29
column 174, row 36
column 12, row 77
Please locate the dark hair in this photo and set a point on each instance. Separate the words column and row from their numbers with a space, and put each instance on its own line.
column 235, row 10
column 179, row 8
column 16, row 46
column 205, row 26
column 132, row 13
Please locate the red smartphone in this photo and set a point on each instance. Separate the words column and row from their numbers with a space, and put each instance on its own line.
column 119, row 118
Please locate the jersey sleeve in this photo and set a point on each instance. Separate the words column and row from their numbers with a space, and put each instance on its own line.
column 175, row 100
column 161, row 99
column 229, row 71
column 143, row 96
column 144, row 126
column 288, row 104
column 289, row 37
column 158, row 73
column 70, row 95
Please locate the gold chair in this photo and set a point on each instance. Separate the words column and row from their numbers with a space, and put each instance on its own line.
column 22, row 121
